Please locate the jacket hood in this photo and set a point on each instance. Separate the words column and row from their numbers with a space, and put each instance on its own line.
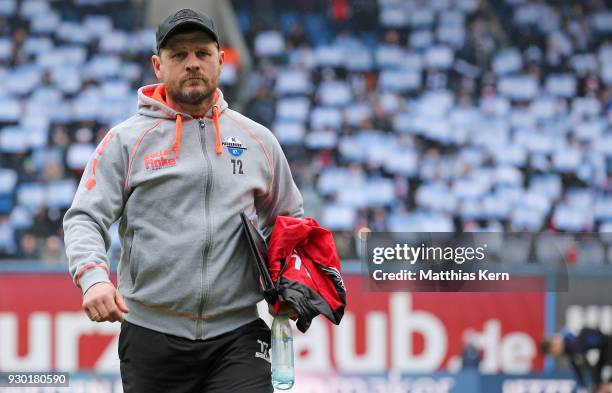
column 152, row 102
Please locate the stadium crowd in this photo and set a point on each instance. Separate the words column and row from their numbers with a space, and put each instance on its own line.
column 396, row 115
column 442, row 115
column 69, row 71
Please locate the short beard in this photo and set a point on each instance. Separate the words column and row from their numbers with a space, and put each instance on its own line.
column 192, row 98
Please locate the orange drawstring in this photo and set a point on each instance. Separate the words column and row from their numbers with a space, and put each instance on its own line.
column 176, row 144
column 218, row 148
column 160, row 95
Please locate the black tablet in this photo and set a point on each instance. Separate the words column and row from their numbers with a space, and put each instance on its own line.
column 259, row 251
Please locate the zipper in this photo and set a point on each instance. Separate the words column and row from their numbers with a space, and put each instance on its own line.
column 208, row 234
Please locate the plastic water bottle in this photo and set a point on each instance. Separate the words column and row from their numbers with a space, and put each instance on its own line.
column 283, row 375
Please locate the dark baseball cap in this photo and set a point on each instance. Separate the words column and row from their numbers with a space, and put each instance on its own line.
column 182, row 18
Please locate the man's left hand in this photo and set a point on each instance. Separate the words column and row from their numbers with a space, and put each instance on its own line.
column 284, row 310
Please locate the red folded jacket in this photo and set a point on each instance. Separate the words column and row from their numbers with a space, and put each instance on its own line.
column 305, row 267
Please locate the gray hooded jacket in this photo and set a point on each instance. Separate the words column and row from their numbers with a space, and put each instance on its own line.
column 178, row 184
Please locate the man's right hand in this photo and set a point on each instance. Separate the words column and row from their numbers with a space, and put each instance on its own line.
column 102, row 302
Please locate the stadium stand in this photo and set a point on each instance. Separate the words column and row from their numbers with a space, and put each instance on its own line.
column 442, row 115
column 396, row 115
column 69, row 71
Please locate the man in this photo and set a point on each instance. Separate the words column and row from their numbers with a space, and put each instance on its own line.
column 470, row 354
column 575, row 347
column 177, row 175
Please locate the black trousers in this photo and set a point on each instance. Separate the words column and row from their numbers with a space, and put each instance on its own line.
column 238, row 361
